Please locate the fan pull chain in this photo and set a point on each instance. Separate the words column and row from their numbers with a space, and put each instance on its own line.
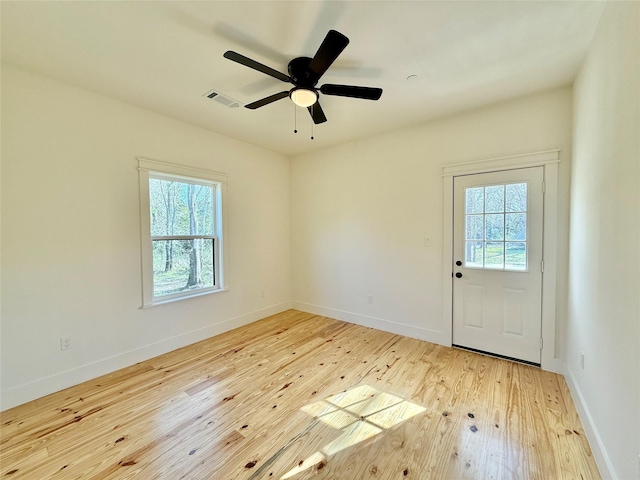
column 295, row 119
column 295, row 122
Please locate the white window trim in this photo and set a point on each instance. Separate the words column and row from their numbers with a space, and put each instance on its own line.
column 146, row 168
column 549, row 160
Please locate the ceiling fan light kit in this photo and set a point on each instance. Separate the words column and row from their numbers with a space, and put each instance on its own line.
column 303, row 97
column 304, row 74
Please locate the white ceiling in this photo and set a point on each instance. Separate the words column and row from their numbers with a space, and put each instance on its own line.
column 164, row 56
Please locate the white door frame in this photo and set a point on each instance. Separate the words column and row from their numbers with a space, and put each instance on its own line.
column 549, row 161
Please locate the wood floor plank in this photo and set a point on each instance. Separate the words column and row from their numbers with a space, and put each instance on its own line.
column 300, row 396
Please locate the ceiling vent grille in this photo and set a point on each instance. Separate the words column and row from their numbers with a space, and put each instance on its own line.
column 223, row 99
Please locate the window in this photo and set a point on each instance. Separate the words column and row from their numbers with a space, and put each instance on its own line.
column 182, row 231
column 496, row 227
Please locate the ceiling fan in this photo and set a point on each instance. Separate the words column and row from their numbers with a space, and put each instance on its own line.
column 304, row 74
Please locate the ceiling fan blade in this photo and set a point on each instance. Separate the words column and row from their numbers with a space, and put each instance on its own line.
column 247, row 62
column 316, row 113
column 266, row 100
column 332, row 46
column 367, row 93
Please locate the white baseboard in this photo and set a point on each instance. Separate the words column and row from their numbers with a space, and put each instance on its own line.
column 374, row 322
column 595, row 441
column 555, row 365
column 44, row 386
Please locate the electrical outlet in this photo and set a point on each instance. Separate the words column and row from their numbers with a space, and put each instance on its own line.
column 582, row 360
column 370, row 299
column 427, row 241
column 65, row 343
column 262, row 293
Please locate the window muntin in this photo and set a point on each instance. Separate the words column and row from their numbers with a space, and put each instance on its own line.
column 496, row 227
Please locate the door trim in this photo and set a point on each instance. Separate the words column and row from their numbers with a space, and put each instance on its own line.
column 549, row 160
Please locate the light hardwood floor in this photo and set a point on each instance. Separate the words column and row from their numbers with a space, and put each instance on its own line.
column 302, row 396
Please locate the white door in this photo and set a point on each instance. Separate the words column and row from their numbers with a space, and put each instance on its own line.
column 497, row 250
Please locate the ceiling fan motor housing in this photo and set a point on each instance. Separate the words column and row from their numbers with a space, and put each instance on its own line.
column 300, row 73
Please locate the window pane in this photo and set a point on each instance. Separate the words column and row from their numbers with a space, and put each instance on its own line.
column 516, row 226
column 475, row 227
column 494, row 256
column 474, row 200
column 494, row 227
column 179, row 208
column 182, row 265
column 516, row 256
column 517, row 197
column 494, row 199
column 474, row 254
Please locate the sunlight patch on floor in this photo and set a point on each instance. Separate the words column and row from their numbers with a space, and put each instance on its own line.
column 360, row 413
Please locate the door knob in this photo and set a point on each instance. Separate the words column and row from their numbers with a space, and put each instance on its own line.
column 458, row 263
column 458, row 275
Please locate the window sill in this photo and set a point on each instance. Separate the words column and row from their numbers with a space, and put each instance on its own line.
column 157, row 303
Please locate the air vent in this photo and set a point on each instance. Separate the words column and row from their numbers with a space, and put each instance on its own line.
column 223, row 99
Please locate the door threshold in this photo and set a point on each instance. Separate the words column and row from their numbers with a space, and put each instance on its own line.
column 503, row 357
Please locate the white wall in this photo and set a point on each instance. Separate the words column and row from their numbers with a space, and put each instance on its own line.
column 71, row 235
column 360, row 212
column 604, row 281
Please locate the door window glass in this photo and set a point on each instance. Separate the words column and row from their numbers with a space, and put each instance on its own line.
column 496, row 227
